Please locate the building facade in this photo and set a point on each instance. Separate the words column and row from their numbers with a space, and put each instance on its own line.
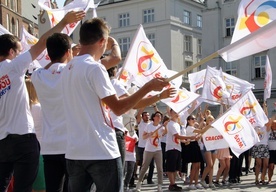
column 16, row 13
column 219, row 20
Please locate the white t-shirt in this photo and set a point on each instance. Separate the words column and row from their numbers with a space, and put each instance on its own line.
column 89, row 133
column 263, row 135
column 131, row 156
column 141, row 128
column 48, row 87
column 153, row 143
column 120, row 90
column 190, row 131
column 37, row 116
column 183, row 117
column 15, row 115
column 272, row 140
column 172, row 142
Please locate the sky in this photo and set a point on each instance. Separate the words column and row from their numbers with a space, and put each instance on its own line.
column 60, row 3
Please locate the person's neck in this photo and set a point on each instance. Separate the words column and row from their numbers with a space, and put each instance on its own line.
column 91, row 50
column 155, row 123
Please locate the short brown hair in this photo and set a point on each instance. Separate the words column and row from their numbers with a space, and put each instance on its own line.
column 7, row 42
column 93, row 30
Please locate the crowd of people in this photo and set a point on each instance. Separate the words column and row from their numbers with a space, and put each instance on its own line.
column 62, row 128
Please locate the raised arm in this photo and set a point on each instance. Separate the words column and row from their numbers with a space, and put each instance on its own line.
column 114, row 57
column 70, row 17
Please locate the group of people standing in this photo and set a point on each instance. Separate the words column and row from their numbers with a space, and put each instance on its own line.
column 68, row 130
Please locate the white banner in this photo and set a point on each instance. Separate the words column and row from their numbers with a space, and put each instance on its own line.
column 213, row 140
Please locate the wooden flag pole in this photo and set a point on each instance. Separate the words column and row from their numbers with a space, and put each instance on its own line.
column 204, row 60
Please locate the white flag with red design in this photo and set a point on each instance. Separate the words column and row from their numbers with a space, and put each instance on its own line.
column 223, row 88
column 213, row 140
column 196, row 80
column 236, row 130
column 249, row 106
column 252, row 15
column 268, row 79
column 27, row 41
column 142, row 60
column 56, row 15
column 181, row 100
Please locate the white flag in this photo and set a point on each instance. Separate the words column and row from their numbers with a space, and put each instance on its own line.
column 182, row 99
column 252, row 15
column 28, row 40
column 268, row 79
column 236, row 130
column 223, row 88
column 251, row 109
column 255, row 42
column 213, row 140
column 56, row 15
column 196, row 80
column 142, row 61
column 3, row 30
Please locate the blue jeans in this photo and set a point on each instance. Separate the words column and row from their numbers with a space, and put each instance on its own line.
column 19, row 156
column 106, row 174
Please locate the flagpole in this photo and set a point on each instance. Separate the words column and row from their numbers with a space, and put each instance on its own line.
column 204, row 60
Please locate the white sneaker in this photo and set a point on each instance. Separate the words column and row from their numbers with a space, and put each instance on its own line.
column 138, row 186
column 203, row 183
column 159, row 189
column 212, row 186
column 198, row 186
column 192, row 187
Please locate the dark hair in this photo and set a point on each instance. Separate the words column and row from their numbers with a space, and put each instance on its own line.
column 93, row 30
column 166, row 118
column 189, row 118
column 57, row 45
column 144, row 113
column 157, row 112
column 111, row 72
column 7, row 42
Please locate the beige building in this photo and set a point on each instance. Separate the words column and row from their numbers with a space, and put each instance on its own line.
column 219, row 21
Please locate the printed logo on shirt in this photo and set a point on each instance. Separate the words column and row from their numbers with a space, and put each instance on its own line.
column 155, row 140
column 175, row 140
column 5, row 85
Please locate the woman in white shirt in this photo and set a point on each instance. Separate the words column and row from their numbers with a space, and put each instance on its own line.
column 152, row 134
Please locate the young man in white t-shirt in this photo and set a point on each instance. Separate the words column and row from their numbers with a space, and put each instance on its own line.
column 48, row 87
column 92, row 153
column 18, row 144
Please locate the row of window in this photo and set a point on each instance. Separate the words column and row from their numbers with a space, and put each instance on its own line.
column 12, row 25
column 12, row 4
column 187, row 19
column 258, row 64
column 148, row 17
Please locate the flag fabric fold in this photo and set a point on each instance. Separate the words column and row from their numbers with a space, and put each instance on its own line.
column 268, row 79
column 196, row 80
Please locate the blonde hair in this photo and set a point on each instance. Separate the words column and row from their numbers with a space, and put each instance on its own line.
column 209, row 118
column 33, row 99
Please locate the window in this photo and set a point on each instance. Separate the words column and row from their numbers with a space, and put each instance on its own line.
column 259, row 66
column 13, row 27
column 199, row 46
column 148, row 15
column 151, row 37
column 17, row 28
column 124, row 20
column 199, row 21
column 124, row 45
column 8, row 22
column 231, row 68
column 15, row 6
column 187, row 17
column 188, row 64
column 188, row 44
column 229, row 26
